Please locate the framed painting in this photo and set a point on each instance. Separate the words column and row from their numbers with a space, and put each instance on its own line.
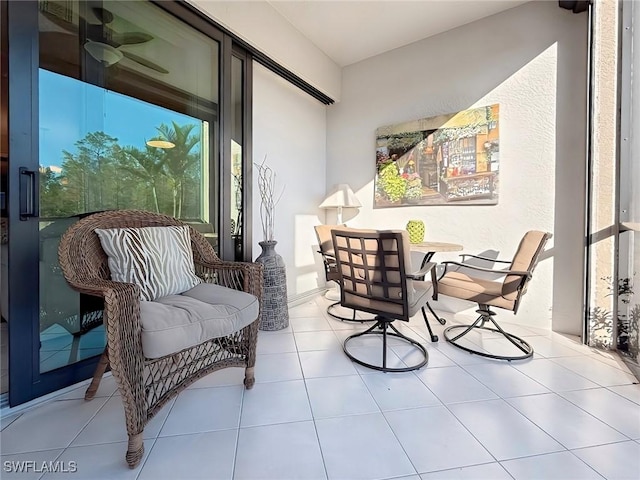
column 445, row 160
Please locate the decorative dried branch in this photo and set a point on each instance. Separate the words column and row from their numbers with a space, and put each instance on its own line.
column 268, row 198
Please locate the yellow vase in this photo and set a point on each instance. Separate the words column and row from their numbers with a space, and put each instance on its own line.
column 416, row 231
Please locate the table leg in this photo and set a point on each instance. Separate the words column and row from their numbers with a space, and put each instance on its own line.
column 441, row 320
column 427, row 258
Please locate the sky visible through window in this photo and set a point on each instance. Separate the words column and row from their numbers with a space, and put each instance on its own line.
column 69, row 109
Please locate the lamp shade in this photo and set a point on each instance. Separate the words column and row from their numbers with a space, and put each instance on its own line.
column 342, row 196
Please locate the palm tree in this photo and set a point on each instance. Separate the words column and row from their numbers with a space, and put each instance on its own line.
column 150, row 166
column 179, row 159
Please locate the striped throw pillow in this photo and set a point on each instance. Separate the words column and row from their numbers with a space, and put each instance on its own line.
column 157, row 259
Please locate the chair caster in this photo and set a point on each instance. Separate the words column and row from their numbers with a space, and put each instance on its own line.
column 434, row 338
column 441, row 320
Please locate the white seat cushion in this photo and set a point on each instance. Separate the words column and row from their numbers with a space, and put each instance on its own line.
column 176, row 322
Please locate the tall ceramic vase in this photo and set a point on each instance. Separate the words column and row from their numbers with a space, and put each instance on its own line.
column 274, row 314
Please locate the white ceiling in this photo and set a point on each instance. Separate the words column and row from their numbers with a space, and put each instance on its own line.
column 351, row 30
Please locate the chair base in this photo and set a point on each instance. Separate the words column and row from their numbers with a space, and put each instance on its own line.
column 486, row 315
column 380, row 328
column 345, row 319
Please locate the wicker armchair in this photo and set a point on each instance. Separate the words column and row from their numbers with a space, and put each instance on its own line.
column 147, row 384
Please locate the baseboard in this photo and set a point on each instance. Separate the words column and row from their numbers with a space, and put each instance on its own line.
column 301, row 298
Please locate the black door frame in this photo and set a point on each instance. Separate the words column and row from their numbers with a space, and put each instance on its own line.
column 25, row 380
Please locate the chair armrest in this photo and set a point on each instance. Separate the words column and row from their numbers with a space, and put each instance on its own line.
column 328, row 258
column 99, row 287
column 124, row 333
column 419, row 275
column 245, row 276
column 489, row 270
column 484, row 258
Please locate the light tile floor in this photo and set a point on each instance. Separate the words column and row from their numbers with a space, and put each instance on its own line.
column 569, row 413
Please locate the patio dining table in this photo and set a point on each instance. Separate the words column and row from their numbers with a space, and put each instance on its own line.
column 431, row 248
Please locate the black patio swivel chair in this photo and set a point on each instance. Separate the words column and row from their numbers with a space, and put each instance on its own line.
column 459, row 281
column 373, row 274
column 325, row 242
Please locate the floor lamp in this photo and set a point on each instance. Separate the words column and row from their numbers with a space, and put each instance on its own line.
column 341, row 197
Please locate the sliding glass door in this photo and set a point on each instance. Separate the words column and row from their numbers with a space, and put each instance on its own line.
column 113, row 105
column 102, row 150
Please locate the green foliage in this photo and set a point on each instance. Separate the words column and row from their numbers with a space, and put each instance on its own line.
column 57, row 202
column 179, row 162
column 404, row 140
column 391, row 183
column 443, row 135
column 414, row 188
column 100, row 174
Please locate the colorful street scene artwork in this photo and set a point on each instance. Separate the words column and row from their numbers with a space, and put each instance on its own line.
column 445, row 160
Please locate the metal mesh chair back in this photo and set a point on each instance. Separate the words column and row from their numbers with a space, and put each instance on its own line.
column 373, row 267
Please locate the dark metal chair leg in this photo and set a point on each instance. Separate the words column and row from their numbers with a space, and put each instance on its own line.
column 479, row 320
column 434, row 338
column 441, row 320
column 510, row 337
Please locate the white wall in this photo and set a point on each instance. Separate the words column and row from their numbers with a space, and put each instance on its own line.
column 260, row 25
column 289, row 127
column 532, row 61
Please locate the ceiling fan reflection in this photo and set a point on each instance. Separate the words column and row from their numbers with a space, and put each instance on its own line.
column 103, row 38
column 109, row 55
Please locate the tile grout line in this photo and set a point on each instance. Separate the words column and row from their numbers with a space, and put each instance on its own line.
column 64, row 449
column 155, row 439
column 443, row 404
column 622, row 396
column 582, row 357
column 557, row 394
column 592, row 415
column 313, row 418
column 75, row 436
column 503, row 399
column 235, row 450
column 361, row 374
